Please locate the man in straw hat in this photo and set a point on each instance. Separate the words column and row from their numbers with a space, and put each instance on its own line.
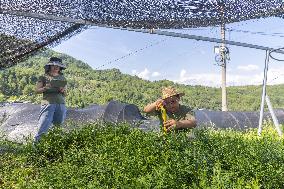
column 53, row 87
column 177, row 116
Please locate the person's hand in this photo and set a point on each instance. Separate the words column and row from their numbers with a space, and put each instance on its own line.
column 159, row 103
column 171, row 124
column 47, row 86
column 62, row 90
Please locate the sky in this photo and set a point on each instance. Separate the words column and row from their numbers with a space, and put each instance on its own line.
column 186, row 61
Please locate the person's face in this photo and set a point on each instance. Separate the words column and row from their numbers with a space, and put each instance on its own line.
column 172, row 103
column 54, row 68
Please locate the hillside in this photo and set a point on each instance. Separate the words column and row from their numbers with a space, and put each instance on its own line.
column 87, row 86
column 105, row 155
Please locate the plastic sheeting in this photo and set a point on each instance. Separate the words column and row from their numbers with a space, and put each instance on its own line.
column 19, row 120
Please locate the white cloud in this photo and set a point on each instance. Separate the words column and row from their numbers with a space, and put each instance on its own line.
column 145, row 74
column 214, row 79
column 275, row 76
column 207, row 79
column 155, row 74
column 183, row 74
column 249, row 67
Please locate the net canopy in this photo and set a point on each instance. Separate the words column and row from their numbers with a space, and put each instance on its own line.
column 29, row 25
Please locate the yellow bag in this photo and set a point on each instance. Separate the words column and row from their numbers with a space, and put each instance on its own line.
column 164, row 117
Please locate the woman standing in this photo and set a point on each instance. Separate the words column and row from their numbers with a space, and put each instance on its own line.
column 53, row 87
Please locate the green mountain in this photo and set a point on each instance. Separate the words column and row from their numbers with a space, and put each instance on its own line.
column 87, row 86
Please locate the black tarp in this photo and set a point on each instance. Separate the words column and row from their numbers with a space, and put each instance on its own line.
column 18, row 120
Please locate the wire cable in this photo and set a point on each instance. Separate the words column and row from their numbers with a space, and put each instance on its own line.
column 131, row 53
column 259, row 33
column 281, row 60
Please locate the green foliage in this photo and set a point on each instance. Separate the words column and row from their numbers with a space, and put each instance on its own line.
column 116, row 156
column 87, row 86
column 2, row 97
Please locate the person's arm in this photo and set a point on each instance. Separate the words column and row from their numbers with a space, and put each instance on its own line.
column 153, row 106
column 40, row 88
column 181, row 124
column 191, row 123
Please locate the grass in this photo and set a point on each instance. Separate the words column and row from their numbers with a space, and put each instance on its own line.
column 117, row 156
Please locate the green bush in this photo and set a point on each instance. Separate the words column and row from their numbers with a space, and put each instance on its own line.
column 118, row 156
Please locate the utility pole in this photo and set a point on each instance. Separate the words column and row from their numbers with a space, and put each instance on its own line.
column 223, row 65
column 223, row 51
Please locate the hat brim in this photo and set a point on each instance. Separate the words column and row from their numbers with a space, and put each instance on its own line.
column 177, row 94
column 55, row 64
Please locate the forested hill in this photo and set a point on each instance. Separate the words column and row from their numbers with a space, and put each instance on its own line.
column 87, row 86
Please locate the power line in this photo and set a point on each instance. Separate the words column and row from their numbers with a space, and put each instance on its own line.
column 131, row 53
column 259, row 33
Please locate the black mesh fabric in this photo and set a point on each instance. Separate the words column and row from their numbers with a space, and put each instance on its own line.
column 29, row 25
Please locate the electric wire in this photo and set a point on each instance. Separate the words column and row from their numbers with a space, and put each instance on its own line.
column 281, row 60
column 131, row 53
column 259, row 33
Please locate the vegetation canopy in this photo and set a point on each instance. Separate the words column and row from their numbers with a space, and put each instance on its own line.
column 102, row 155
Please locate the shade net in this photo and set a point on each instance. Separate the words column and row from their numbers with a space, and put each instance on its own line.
column 29, row 25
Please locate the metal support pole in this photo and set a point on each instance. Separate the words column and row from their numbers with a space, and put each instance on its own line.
column 274, row 118
column 263, row 93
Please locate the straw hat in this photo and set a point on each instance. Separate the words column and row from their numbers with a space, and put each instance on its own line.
column 169, row 92
column 54, row 61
